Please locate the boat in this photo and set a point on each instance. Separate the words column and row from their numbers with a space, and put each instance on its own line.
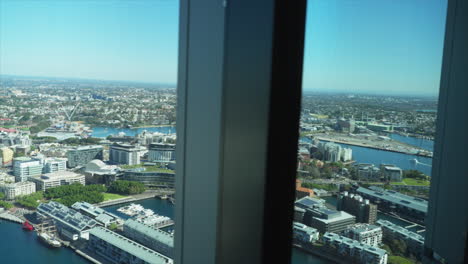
column 49, row 240
column 163, row 197
column 27, row 226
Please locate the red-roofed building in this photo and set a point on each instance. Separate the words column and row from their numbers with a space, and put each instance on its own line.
column 303, row 192
column 8, row 130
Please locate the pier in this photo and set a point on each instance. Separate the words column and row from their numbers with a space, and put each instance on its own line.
column 9, row 217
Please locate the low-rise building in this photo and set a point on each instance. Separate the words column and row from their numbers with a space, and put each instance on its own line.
column 391, row 173
column 13, row 190
column 406, row 206
column 54, row 165
column 101, row 216
column 119, row 249
column 365, row 233
column 24, row 168
column 6, row 155
column 368, row 172
column 96, row 171
column 70, row 223
column 318, row 216
column 414, row 241
column 301, row 191
column 304, row 234
column 153, row 238
column 55, row 179
column 152, row 179
column 354, row 251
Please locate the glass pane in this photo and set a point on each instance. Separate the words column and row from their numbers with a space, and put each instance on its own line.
column 370, row 92
column 87, row 130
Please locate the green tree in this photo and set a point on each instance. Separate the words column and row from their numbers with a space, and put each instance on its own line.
column 126, row 187
column 113, row 226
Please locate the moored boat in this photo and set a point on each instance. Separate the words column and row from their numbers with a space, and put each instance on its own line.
column 27, row 226
column 48, row 240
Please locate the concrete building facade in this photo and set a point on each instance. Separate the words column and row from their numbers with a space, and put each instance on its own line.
column 13, row 190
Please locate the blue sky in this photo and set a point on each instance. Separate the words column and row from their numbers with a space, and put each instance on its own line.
column 376, row 46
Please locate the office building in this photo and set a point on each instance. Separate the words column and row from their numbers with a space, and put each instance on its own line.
column 97, row 172
column 391, row 173
column 55, row 179
column 354, row 251
column 101, row 216
column 304, row 234
column 152, row 179
column 414, row 241
column 346, row 126
column 156, row 239
column 54, row 165
column 365, row 233
column 117, row 249
column 368, row 172
column 126, row 154
column 13, row 190
column 406, row 206
column 80, row 156
column 70, row 223
column 160, row 152
column 6, row 155
column 24, row 168
column 318, row 216
column 364, row 211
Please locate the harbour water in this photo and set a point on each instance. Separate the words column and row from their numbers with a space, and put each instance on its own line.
column 22, row 247
column 404, row 161
column 103, row 132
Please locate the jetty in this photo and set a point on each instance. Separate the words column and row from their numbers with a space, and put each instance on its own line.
column 9, row 217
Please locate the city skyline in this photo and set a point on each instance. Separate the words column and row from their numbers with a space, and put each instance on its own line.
column 355, row 47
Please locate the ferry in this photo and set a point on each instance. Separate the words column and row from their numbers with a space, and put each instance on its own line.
column 48, row 240
column 27, row 226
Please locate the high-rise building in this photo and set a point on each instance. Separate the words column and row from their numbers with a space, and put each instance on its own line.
column 24, row 168
column 127, row 154
column 364, row 211
column 80, row 156
column 160, row 152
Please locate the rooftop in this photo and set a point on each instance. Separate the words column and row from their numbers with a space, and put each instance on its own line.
column 155, row 234
column 130, row 246
column 355, row 244
column 402, row 231
column 396, row 198
column 67, row 216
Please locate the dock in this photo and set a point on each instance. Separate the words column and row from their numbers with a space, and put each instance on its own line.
column 9, row 217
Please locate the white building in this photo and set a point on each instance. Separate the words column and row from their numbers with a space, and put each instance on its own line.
column 120, row 153
column 365, row 233
column 24, row 168
column 349, row 248
column 59, row 178
column 159, row 152
column 54, row 165
column 346, row 154
column 305, row 234
column 13, row 190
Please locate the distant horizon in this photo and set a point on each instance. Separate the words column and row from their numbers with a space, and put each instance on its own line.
column 362, row 46
column 174, row 85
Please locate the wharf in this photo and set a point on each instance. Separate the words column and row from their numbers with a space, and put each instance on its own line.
column 423, row 152
column 9, row 217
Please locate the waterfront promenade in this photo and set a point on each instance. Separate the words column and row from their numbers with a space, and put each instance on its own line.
column 146, row 195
